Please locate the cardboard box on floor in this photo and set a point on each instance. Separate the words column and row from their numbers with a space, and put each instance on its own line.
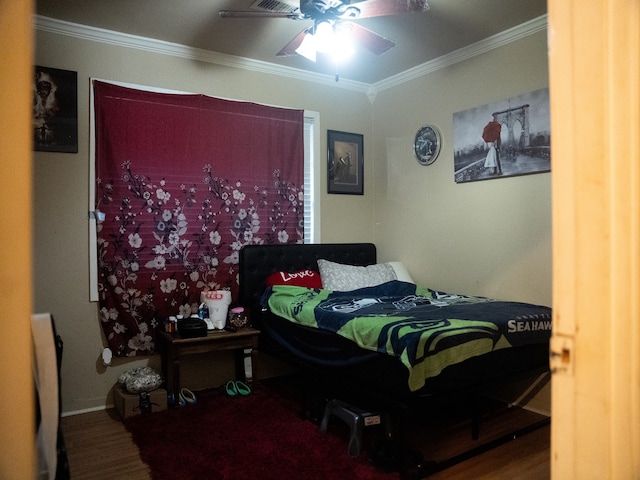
column 130, row 404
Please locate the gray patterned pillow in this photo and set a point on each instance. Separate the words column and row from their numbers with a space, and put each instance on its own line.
column 140, row 379
column 340, row 277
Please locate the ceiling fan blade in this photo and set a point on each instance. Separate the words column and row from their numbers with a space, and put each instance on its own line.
column 249, row 14
column 371, row 40
column 290, row 48
column 382, row 8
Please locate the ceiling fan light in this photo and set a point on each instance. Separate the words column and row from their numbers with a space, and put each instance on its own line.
column 308, row 47
column 342, row 53
column 342, row 45
column 324, row 37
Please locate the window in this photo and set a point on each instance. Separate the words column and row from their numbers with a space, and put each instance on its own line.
column 311, row 177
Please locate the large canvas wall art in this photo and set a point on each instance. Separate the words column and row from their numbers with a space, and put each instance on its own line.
column 505, row 138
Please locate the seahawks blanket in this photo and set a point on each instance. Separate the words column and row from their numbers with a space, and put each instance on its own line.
column 426, row 329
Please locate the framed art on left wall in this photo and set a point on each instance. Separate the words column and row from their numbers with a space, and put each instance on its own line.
column 345, row 162
column 55, row 110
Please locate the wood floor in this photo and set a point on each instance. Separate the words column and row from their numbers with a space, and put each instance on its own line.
column 99, row 448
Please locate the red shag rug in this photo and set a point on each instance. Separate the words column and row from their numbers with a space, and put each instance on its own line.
column 259, row 436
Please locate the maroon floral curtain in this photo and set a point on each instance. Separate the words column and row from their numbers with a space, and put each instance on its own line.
column 185, row 181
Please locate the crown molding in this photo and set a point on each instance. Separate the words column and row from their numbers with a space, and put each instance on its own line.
column 110, row 37
column 490, row 43
column 119, row 39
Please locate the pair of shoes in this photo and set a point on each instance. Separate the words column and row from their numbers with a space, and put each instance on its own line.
column 187, row 397
column 237, row 388
column 176, row 401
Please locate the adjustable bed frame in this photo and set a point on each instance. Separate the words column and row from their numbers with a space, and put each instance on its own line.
column 359, row 375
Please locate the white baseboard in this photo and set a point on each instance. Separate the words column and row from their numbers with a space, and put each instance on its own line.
column 87, row 410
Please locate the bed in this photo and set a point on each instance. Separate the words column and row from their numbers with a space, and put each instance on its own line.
column 389, row 338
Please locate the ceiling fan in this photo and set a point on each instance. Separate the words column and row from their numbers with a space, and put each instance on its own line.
column 332, row 19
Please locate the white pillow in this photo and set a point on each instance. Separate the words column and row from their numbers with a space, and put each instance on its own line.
column 401, row 272
column 339, row 277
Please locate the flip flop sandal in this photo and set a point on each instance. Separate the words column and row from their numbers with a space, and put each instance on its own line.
column 242, row 388
column 187, row 397
column 231, row 388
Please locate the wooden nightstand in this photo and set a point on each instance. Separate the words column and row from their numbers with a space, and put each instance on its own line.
column 173, row 347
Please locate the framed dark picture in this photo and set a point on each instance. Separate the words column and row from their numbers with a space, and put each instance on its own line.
column 55, row 110
column 345, row 162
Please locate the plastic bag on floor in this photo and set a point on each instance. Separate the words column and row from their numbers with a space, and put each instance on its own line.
column 142, row 379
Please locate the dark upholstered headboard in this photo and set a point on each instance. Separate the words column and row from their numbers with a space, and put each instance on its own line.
column 257, row 262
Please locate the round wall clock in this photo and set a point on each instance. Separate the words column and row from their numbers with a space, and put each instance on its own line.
column 427, row 144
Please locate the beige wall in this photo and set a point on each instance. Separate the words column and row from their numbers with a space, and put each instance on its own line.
column 490, row 238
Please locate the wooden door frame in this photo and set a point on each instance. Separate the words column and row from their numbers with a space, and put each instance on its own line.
column 594, row 64
column 17, row 440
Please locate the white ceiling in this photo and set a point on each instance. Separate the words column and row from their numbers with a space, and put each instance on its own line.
column 447, row 26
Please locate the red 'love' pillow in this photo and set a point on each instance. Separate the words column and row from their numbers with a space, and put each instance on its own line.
column 302, row 278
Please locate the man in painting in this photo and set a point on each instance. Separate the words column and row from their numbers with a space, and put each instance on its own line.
column 491, row 135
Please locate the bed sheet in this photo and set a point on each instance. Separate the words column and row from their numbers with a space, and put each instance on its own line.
column 426, row 329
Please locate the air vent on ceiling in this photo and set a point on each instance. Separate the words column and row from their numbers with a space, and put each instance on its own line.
column 280, row 6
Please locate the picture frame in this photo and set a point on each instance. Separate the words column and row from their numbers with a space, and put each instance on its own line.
column 345, row 163
column 55, row 110
column 505, row 138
